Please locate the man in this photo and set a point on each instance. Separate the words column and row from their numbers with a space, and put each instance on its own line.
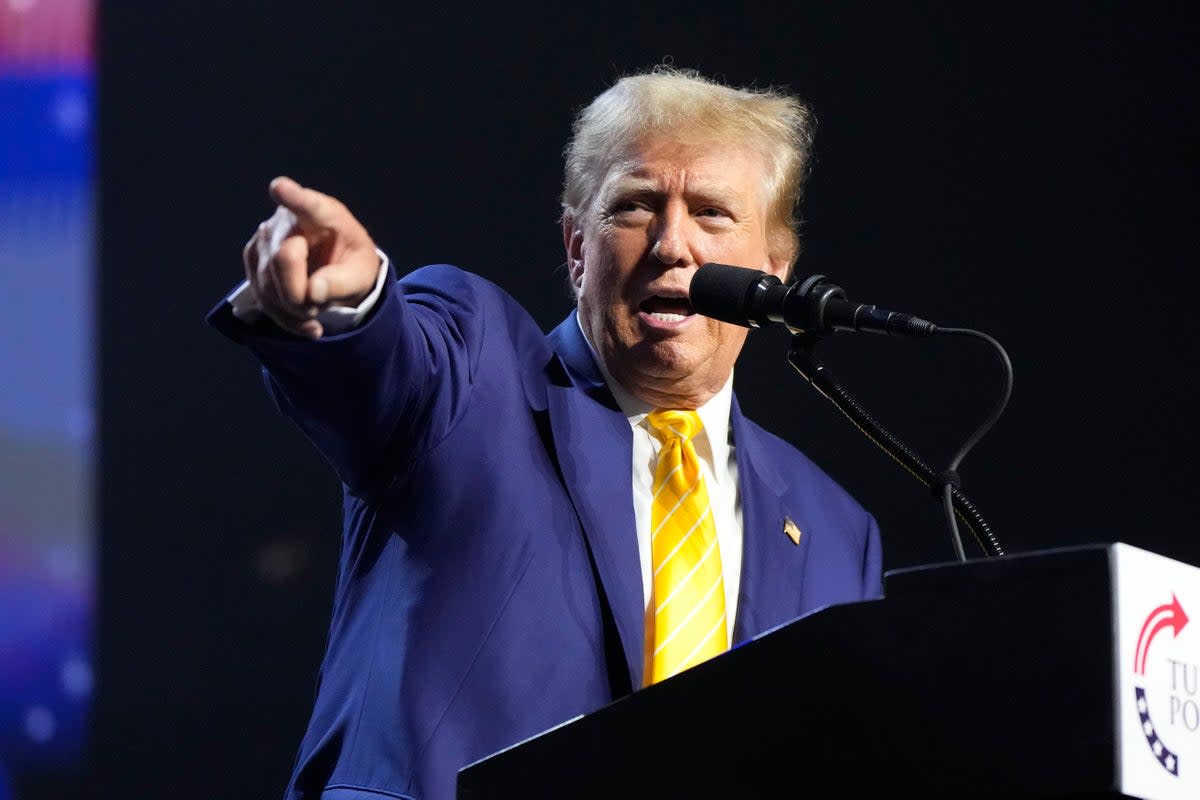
column 504, row 566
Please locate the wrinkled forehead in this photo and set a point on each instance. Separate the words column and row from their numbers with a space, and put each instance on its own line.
column 706, row 165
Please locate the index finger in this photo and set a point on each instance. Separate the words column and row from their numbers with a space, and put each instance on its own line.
column 312, row 208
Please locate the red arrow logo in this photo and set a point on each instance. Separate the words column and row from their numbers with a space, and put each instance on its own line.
column 1171, row 615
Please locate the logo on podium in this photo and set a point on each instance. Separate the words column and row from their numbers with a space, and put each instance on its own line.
column 1172, row 617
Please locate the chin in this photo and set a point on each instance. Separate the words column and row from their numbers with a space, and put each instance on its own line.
column 668, row 359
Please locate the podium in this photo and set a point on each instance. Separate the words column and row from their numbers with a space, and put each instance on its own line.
column 1070, row 672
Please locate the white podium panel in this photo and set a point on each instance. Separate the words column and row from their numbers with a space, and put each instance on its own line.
column 1157, row 664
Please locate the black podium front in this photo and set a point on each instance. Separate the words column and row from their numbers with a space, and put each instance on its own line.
column 995, row 677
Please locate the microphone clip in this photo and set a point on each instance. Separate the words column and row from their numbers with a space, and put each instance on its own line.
column 812, row 297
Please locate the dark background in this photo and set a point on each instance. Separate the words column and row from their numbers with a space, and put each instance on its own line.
column 1028, row 171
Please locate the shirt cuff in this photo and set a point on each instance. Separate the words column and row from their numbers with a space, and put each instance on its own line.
column 334, row 319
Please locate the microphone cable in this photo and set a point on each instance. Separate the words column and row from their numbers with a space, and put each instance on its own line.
column 945, row 486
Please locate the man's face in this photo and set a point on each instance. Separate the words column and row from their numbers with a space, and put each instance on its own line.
column 659, row 216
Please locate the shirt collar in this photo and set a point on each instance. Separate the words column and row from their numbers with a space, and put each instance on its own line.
column 714, row 414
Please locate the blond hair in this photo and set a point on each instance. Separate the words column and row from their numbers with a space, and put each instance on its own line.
column 688, row 107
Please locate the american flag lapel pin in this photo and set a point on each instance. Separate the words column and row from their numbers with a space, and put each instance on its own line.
column 791, row 530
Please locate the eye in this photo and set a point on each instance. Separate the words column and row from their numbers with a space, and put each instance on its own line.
column 713, row 213
column 628, row 210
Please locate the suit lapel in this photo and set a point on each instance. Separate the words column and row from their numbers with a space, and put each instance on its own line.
column 772, row 565
column 594, row 443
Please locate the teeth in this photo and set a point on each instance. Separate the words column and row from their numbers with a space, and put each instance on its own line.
column 665, row 317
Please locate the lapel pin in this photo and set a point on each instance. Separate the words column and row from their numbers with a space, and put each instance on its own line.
column 791, row 530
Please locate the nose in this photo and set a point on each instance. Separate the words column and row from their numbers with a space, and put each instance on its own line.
column 671, row 240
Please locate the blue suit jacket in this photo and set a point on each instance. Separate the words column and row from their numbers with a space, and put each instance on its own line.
column 490, row 585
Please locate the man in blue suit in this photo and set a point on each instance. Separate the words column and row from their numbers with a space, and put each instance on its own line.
column 496, row 572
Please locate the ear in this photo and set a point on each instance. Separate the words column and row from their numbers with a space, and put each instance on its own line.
column 573, row 243
column 779, row 266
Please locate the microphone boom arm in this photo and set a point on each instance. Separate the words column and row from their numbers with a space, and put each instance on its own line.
column 943, row 485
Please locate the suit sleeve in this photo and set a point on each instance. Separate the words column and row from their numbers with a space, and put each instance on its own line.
column 371, row 399
column 872, row 567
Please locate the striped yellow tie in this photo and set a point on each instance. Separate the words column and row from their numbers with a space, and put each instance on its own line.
column 688, row 623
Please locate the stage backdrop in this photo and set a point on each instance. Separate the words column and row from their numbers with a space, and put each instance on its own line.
column 47, row 389
column 1027, row 171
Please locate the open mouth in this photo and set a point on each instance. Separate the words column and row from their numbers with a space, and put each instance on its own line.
column 667, row 309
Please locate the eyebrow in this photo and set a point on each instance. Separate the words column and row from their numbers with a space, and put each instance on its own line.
column 702, row 190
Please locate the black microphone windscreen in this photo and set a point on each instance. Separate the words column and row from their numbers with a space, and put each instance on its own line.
column 724, row 292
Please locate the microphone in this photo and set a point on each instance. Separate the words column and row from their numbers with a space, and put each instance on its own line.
column 753, row 298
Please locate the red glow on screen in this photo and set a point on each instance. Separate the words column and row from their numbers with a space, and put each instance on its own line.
column 42, row 35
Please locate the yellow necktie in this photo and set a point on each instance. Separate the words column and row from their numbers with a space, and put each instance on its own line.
column 688, row 605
